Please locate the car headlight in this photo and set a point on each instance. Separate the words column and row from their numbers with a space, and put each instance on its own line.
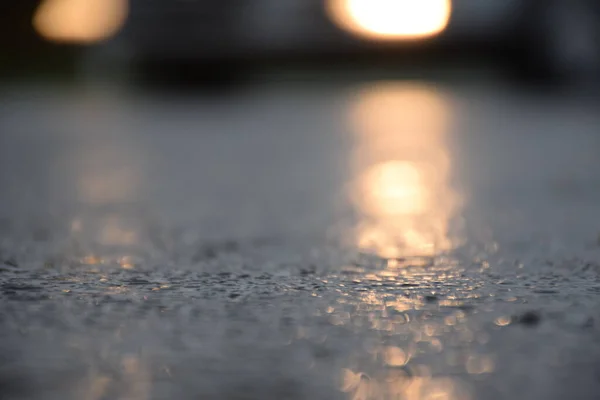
column 80, row 21
column 391, row 19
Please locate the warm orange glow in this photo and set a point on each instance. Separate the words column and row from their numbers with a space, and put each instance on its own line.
column 394, row 356
column 391, row 19
column 108, row 165
column 395, row 188
column 503, row 321
column 126, row 262
column 91, row 260
column 134, row 381
column 80, row 21
column 108, row 185
column 479, row 364
column 402, row 190
column 397, row 385
column 113, row 231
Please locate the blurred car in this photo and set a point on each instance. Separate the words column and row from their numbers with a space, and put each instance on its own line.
column 212, row 39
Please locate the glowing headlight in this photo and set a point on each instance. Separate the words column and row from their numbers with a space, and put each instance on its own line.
column 80, row 21
column 391, row 19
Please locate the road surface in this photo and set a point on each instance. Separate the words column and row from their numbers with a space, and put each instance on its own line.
column 339, row 240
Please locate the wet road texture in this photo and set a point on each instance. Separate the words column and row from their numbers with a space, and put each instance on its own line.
column 344, row 240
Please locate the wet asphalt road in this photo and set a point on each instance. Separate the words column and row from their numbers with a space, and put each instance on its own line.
column 361, row 240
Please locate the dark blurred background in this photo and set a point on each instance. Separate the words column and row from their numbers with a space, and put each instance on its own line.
column 526, row 41
column 26, row 54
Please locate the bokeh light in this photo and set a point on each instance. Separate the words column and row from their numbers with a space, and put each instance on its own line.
column 80, row 21
column 391, row 19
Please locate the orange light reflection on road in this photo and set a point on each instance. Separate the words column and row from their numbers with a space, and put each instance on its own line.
column 395, row 384
column 391, row 19
column 80, row 21
column 108, row 166
column 402, row 192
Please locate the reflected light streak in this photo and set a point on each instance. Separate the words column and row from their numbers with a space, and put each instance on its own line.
column 127, row 262
column 401, row 361
column 402, row 194
column 396, row 384
column 133, row 382
column 391, row 19
column 396, row 188
column 108, row 185
column 80, row 21
column 113, row 231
